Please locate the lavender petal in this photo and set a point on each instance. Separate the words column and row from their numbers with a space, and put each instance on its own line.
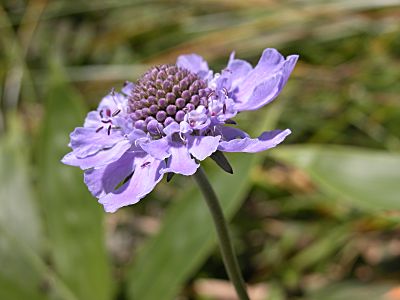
column 194, row 63
column 262, row 84
column 92, row 120
column 202, row 147
column 144, row 179
column 112, row 101
column 103, row 180
column 101, row 158
column 265, row 141
column 180, row 161
column 157, row 148
column 87, row 141
column 237, row 70
column 229, row 133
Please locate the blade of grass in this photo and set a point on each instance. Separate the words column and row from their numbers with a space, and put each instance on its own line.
column 19, row 215
column 366, row 178
column 74, row 219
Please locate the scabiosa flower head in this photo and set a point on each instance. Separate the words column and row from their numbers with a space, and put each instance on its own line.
column 172, row 118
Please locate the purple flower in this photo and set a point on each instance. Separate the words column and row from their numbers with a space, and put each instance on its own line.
column 172, row 118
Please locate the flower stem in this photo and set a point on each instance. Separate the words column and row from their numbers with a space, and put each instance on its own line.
column 228, row 255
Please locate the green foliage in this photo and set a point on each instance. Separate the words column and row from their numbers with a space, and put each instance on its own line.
column 366, row 178
column 21, row 236
column 356, row 291
column 73, row 221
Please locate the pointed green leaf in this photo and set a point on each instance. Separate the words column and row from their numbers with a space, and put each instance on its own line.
column 356, row 291
column 368, row 178
column 20, row 227
column 222, row 161
column 12, row 290
column 74, row 218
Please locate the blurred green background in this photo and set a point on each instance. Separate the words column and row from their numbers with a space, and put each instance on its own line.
column 316, row 218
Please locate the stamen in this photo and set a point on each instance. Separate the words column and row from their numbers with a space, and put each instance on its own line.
column 159, row 131
column 113, row 96
column 146, row 164
column 109, row 130
column 101, row 114
column 100, row 128
column 182, row 138
column 115, row 113
column 106, row 121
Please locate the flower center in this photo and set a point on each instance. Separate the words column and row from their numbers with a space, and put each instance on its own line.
column 163, row 95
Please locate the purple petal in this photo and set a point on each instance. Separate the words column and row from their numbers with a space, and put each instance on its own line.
column 230, row 133
column 185, row 127
column 198, row 118
column 92, row 120
column 172, row 128
column 180, row 161
column 158, row 148
column 101, row 158
column 137, row 135
column 112, row 101
column 262, row 94
column 265, row 141
column 128, row 88
column 144, row 179
column 262, row 84
column 202, row 147
column 86, row 141
column 104, row 180
column 290, row 63
column 194, row 63
column 237, row 70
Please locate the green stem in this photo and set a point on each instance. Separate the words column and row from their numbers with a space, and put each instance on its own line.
column 228, row 255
